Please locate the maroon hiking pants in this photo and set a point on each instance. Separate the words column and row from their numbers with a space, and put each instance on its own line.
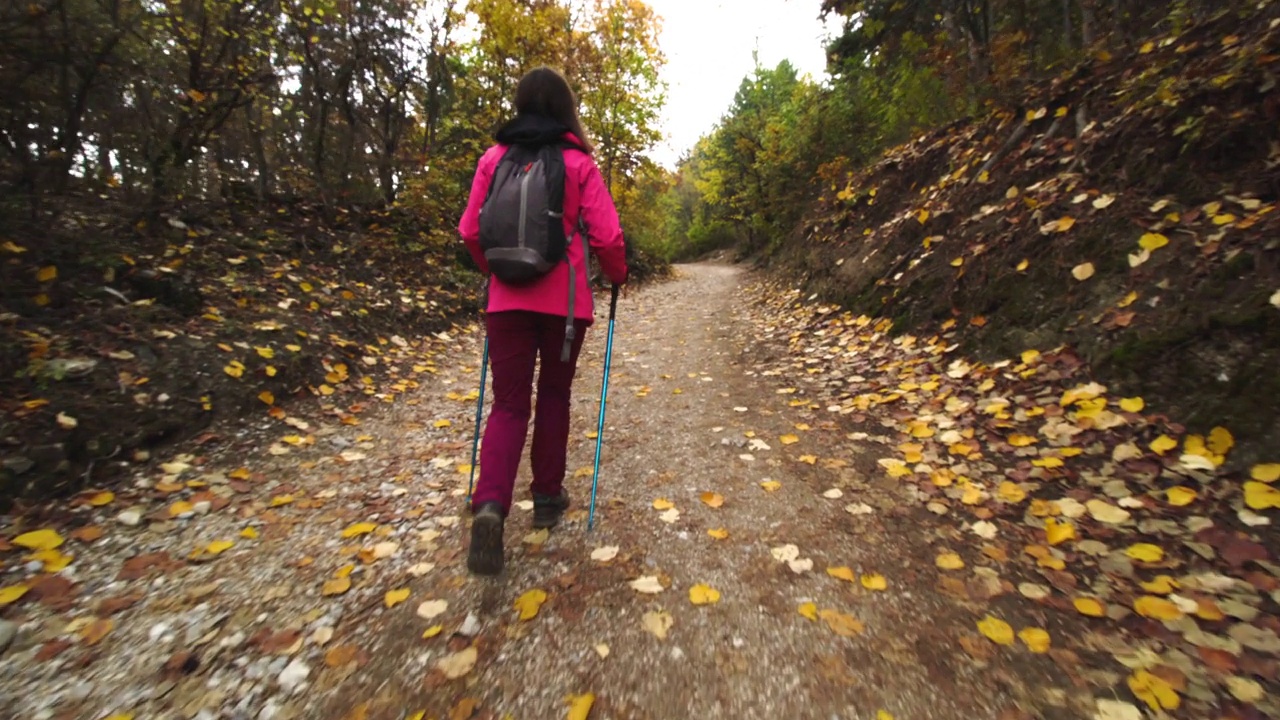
column 516, row 339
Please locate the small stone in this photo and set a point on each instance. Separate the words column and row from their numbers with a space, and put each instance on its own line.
column 470, row 626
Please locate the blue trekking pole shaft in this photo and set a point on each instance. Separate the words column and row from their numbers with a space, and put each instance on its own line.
column 484, row 375
column 604, row 396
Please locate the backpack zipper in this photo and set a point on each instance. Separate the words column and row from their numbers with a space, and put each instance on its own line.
column 524, row 205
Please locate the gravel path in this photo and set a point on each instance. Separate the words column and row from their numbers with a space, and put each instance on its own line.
column 700, row 404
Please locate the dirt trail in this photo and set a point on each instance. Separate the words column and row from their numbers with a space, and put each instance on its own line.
column 697, row 405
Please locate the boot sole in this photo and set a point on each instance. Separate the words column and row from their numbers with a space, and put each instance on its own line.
column 546, row 523
column 485, row 556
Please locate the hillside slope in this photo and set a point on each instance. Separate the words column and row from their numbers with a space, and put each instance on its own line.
column 1127, row 211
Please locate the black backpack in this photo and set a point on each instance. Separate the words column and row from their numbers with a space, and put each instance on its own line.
column 521, row 221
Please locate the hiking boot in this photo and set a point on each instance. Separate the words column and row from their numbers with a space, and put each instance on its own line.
column 485, row 555
column 547, row 509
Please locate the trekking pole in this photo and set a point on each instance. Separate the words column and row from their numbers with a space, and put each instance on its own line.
column 604, row 391
column 484, row 374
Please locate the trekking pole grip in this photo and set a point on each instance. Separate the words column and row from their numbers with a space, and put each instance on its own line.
column 613, row 301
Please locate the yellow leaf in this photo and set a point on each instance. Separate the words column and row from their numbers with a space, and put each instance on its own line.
column 265, row 352
column 1224, row 219
column 1156, row 607
column 442, row 423
column 789, row 439
column 949, row 561
column 1179, row 496
column 267, row 397
column 808, row 610
column 1089, row 606
column 1017, row 440
column 580, row 706
column 432, row 631
column 883, row 715
column 1023, row 265
column 1057, row 533
column 718, row 533
column 529, row 603
column 103, row 498
column 996, row 630
column 1083, row 271
column 1036, row 639
column 770, row 485
column 217, row 547
column 842, row 573
column 336, row 586
column 11, row 594
column 1133, row 404
column 44, row 539
column 279, row 500
column 1260, row 496
column 662, row 504
column 957, row 262
column 46, row 273
column 360, row 528
column 249, row 533
column 1128, row 300
column 1154, row 691
column 1267, row 472
column 1220, row 441
column 1010, row 492
column 874, row 581
column 922, row 216
column 1163, row 444
column 395, row 597
column 1048, row 462
column 841, row 624
column 234, row 370
column 591, row 434
column 1153, row 241
column 1145, row 552
column 1065, row 224
column 712, row 499
column 1160, row 585
column 703, row 595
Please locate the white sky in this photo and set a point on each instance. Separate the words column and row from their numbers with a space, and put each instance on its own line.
column 708, row 44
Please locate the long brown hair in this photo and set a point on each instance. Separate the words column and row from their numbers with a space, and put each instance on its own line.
column 543, row 91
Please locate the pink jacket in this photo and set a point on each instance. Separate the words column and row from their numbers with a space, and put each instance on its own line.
column 584, row 193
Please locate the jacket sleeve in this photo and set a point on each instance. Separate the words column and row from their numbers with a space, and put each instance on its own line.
column 604, row 233
column 469, row 226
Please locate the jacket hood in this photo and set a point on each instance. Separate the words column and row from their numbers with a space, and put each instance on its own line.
column 530, row 129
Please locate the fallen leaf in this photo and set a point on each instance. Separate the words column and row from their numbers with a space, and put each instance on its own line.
column 429, row 609
column 1152, row 241
column 358, row 529
column 1160, row 585
column 537, row 537
column 1145, row 552
column 11, row 594
column 395, row 597
column 529, row 603
column 1105, row 512
column 604, row 553
column 842, row 573
column 1083, row 271
column 1157, row 608
column 1036, row 639
column 1057, row 533
column 808, row 610
column 718, row 533
column 712, row 499
column 432, row 631
column 657, row 622
column 647, row 584
column 1260, row 496
column 455, row 665
column 770, row 485
column 701, row 594
column 1163, row 444
column 336, row 586
column 874, row 581
column 97, row 629
column 217, row 547
column 1265, row 473
column 580, row 706
column 789, row 439
column 947, row 561
column 841, row 624
column 662, row 504
column 833, row 493
column 801, row 565
column 44, row 539
column 996, row 630
column 1153, row 690
column 1179, row 496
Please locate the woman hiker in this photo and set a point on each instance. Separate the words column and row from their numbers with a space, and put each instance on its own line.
column 544, row 316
